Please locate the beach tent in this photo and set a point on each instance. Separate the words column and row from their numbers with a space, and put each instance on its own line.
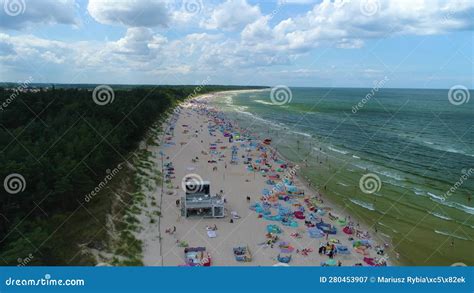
column 284, row 259
column 315, row 233
column 273, row 229
column 326, row 228
column 342, row 249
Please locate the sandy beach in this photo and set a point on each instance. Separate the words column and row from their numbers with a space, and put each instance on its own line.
column 192, row 138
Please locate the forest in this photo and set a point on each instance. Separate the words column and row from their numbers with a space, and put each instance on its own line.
column 63, row 143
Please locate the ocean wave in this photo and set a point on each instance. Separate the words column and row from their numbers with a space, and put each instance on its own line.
column 241, row 110
column 436, row 197
column 440, row 216
column 343, row 184
column 391, row 175
column 450, row 235
column 467, row 209
column 418, row 192
column 448, row 149
column 228, row 100
column 263, row 102
column 355, row 157
column 387, row 226
column 338, row 151
column 301, row 133
column 317, row 149
column 451, row 204
column 363, row 204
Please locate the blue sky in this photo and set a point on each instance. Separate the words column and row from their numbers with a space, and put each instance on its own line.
column 341, row 43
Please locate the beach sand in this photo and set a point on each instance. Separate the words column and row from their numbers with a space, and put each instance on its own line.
column 161, row 248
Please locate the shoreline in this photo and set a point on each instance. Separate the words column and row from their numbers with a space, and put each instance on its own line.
column 303, row 180
column 233, row 175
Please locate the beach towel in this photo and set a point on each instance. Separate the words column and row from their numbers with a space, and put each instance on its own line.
column 211, row 234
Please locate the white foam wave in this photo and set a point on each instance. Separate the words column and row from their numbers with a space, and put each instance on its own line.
column 436, row 197
column 263, row 102
column 301, row 133
column 338, row 151
column 418, row 192
column 450, row 235
column 440, row 216
column 387, row 226
column 363, row 204
column 391, row 175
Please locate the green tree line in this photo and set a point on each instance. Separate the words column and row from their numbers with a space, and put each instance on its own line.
column 62, row 143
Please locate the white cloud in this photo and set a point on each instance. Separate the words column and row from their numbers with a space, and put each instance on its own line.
column 232, row 15
column 21, row 14
column 131, row 13
column 345, row 24
column 139, row 41
column 256, row 40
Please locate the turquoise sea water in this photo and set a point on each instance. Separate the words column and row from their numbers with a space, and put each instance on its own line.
column 415, row 141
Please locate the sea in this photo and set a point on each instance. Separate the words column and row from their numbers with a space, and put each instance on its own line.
column 399, row 160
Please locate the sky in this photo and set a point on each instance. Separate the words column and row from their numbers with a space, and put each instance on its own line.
column 328, row 43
